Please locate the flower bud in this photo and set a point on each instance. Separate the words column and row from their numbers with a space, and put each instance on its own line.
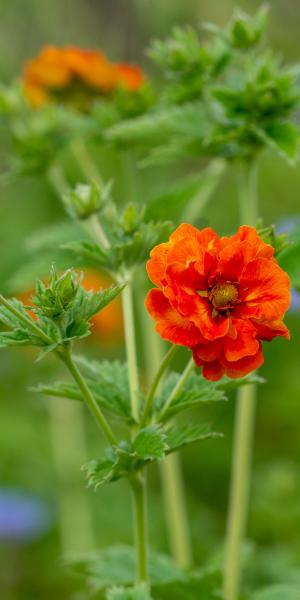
column 57, row 298
column 86, row 199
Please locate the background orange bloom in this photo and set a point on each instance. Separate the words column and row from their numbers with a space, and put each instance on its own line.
column 221, row 297
column 55, row 70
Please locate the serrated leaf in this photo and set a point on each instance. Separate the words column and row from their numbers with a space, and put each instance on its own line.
column 91, row 254
column 138, row 592
column 182, row 435
column 277, row 592
column 150, row 443
column 195, row 391
column 228, row 384
column 206, row 586
column 15, row 338
column 117, row 566
column 108, row 382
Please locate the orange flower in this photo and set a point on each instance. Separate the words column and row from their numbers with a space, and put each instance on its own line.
column 221, row 297
column 107, row 324
column 71, row 73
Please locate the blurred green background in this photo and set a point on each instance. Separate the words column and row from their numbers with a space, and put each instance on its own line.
column 31, row 426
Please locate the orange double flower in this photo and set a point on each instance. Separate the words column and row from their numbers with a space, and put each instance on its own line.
column 57, row 72
column 221, row 297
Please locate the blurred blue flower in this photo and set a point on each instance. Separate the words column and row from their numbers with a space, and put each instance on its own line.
column 23, row 517
column 295, row 302
column 288, row 224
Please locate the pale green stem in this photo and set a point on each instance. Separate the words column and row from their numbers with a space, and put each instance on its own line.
column 94, row 224
column 211, row 177
column 175, row 510
column 138, row 487
column 161, row 371
column 85, row 161
column 57, row 179
column 177, row 389
column 130, row 342
column 244, row 428
column 89, row 398
column 69, row 451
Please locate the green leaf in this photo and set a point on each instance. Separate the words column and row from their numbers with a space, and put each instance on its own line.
column 283, row 138
column 277, row 592
column 228, row 384
column 92, row 254
column 117, row 566
column 289, row 260
column 195, row 391
column 15, row 338
column 150, row 443
column 182, row 435
column 206, row 586
column 108, row 382
column 138, row 592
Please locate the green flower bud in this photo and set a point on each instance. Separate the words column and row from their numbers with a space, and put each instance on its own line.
column 86, row 199
column 246, row 31
column 131, row 218
column 56, row 298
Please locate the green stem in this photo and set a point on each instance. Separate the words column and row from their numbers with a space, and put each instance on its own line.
column 57, row 179
column 177, row 389
column 244, row 428
column 94, row 224
column 89, row 398
column 85, row 161
column 68, row 452
column 138, row 487
column 210, row 179
column 162, row 369
column 176, row 511
column 128, row 316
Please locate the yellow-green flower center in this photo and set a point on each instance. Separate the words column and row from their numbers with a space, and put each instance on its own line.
column 223, row 296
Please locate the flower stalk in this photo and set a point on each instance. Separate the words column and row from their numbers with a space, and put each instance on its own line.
column 243, row 428
column 138, row 487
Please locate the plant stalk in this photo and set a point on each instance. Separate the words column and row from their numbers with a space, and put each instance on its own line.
column 160, row 372
column 130, row 341
column 177, row 389
column 89, row 398
column 138, row 486
column 243, row 429
column 171, row 468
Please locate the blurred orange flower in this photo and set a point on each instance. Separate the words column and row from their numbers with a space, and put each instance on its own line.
column 218, row 296
column 107, row 324
column 70, row 73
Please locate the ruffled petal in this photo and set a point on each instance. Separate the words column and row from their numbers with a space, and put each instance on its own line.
column 245, row 365
column 169, row 323
column 156, row 266
column 267, row 331
column 244, row 344
column 264, row 290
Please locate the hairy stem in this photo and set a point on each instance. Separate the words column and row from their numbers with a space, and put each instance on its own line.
column 177, row 389
column 89, row 398
column 244, row 427
column 85, row 161
column 161, row 371
column 138, row 486
column 130, row 341
column 171, row 468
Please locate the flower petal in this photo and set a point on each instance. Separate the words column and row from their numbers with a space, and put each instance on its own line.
column 169, row 323
column 264, row 290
